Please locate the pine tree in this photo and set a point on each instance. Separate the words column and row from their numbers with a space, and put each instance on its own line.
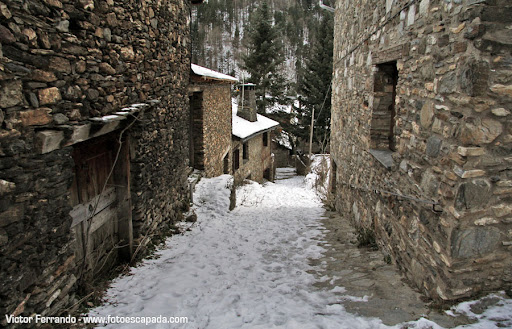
column 315, row 87
column 265, row 58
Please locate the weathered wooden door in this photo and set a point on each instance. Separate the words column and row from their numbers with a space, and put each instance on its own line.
column 94, row 200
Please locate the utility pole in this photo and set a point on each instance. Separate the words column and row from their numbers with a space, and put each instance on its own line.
column 311, row 133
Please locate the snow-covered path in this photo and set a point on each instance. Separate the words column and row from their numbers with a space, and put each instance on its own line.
column 248, row 268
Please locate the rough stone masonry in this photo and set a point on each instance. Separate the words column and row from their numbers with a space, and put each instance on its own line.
column 63, row 63
column 421, row 137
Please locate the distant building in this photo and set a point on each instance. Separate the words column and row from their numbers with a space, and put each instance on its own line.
column 210, row 121
column 282, row 149
column 421, row 137
column 252, row 154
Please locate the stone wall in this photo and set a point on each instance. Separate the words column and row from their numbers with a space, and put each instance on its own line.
column 63, row 63
column 259, row 159
column 216, row 126
column 443, row 204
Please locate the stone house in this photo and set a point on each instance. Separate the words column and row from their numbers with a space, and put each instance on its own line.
column 421, row 137
column 210, row 121
column 252, row 150
column 93, row 135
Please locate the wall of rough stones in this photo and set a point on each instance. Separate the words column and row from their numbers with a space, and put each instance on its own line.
column 452, row 133
column 62, row 63
column 216, row 125
column 260, row 158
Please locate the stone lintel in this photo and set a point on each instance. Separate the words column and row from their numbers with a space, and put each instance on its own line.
column 389, row 54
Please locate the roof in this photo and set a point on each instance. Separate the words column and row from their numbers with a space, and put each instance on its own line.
column 245, row 129
column 211, row 74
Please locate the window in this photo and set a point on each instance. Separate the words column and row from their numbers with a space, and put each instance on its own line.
column 265, row 139
column 245, row 152
column 334, row 176
column 226, row 163
column 382, row 132
column 236, row 160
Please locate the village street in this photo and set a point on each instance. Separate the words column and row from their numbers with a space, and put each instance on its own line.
column 263, row 265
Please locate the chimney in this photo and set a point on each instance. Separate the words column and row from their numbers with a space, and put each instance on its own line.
column 247, row 104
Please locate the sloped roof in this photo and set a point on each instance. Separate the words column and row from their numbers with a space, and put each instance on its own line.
column 245, row 129
column 211, row 74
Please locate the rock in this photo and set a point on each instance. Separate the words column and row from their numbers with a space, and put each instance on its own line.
column 34, row 101
column 475, row 242
column 107, row 34
column 127, row 53
column 80, row 66
column 63, row 26
column 107, row 68
column 470, row 151
column 468, row 173
column 87, row 4
column 60, row 64
column 486, row 221
column 11, row 215
column 37, row 117
column 429, row 183
column 49, row 96
column 44, row 76
column 502, row 210
column 111, row 19
column 54, row 3
column 433, row 146
column 17, row 68
column 6, row 36
column 11, row 93
column 502, row 90
column 472, row 195
column 60, row 119
column 4, row 11
column 6, row 187
column 480, row 132
column 30, row 34
column 500, row 112
column 92, row 94
column 427, row 114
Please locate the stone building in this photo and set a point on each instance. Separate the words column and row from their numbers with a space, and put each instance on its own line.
column 421, row 137
column 86, row 177
column 252, row 154
column 210, row 121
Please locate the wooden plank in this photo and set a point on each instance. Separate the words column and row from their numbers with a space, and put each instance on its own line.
column 108, row 215
column 84, row 211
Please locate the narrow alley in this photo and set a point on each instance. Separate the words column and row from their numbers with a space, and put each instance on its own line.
column 266, row 264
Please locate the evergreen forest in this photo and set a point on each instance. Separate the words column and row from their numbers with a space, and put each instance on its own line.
column 283, row 46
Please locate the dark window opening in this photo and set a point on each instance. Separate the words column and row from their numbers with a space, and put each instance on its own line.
column 226, row 164
column 382, row 132
column 245, row 152
column 196, row 131
column 236, row 160
column 265, row 139
column 334, row 176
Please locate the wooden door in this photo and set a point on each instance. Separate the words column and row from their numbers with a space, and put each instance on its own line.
column 94, row 200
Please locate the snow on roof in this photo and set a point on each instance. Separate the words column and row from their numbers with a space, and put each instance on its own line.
column 243, row 128
column 203, row 71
